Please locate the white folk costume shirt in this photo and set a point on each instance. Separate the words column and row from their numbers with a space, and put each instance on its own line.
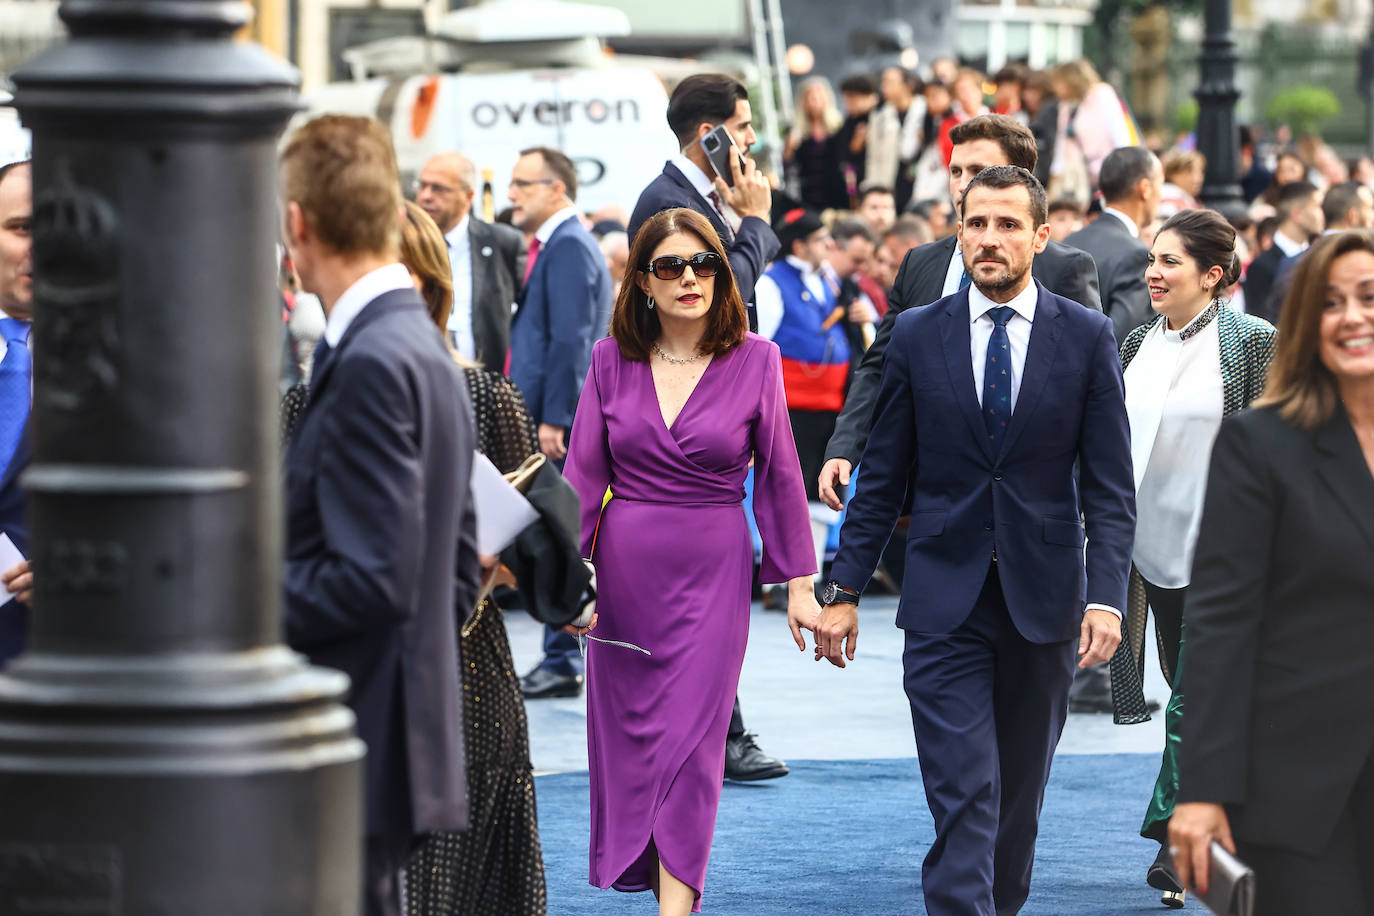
column 768, row 305
column 1174, row 402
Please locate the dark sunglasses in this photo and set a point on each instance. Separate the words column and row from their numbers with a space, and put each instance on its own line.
column 670, row 267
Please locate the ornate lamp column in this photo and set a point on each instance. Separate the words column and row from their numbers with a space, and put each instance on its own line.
column 161, row 752
column 1217, row 137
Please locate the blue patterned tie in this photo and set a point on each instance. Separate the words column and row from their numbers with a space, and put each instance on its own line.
column 16, row 386
column 965, row 280
column 997, row 378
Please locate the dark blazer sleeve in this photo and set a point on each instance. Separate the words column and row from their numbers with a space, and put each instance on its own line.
column 1223, row 614
column 888, row 463
column 754, row 247
column 368, row 487
column 1106, row 481
column 1077, row 278
column 1259, row 285
column 572, row 285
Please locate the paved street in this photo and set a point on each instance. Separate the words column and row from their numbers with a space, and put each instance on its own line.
column 806, row 710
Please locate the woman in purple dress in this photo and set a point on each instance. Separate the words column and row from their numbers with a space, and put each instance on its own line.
column 679, row 400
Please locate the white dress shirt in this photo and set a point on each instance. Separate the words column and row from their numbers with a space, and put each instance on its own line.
column 1018, row 341
column 954, row 272
column 1174, row 401
column 460, row 263
column 4, row 346
column 1288, row 246
column 552, row 223
column 1126, row 221
column 366, row 288
column 705, row 187
column 768, row 298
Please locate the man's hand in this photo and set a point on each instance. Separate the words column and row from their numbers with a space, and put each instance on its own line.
column 582, row 631
column 551, row 442
column 1191, row 831
column 18, row 581
column 860, row 312
column 837, row 623
column 751, row 195
column 835, row 471
column 1098, row 637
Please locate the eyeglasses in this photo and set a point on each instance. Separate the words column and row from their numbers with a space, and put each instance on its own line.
column 670, row 267
column 523, row 183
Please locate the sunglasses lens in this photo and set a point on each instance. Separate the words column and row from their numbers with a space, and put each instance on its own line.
column 705, row 264
column 668, row 267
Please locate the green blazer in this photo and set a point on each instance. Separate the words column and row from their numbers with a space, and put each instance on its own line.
column 1247, row 347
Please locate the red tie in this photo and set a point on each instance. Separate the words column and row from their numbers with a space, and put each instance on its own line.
column 531, row 257
column 729, row 230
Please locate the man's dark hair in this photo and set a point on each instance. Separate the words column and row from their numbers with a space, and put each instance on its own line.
column 910, row 77
column 1011, row 73
column 870, row 190
column 1246, row 134
column 703, row 98
column 858, row 84
column 1061, row 204
column 1340, row 199
column 1123, row 170
column 999, row 177
column 1266, row 228
column 1291, row 195
column 559, row 165
column 1015, row 138
column 847, row 230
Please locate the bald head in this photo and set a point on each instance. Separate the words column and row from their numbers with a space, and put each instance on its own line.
column 446, row 187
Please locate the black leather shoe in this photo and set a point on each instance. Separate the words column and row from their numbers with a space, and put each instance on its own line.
column 745, row 761
column 543, row 684
column 1162, row 877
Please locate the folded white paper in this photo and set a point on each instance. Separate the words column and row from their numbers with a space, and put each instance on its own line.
column 502, row 511
column 10, row 557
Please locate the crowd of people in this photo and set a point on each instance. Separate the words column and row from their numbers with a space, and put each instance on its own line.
column 1065, row 396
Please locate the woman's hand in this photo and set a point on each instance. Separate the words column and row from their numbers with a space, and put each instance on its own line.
column 802, row 609
column 582, row 631
column 18, row 581
column 1191, row 831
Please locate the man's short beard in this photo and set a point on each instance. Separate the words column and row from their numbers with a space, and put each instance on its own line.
column 1001, row 281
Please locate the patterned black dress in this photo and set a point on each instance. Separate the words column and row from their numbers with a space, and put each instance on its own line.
column 496, row 866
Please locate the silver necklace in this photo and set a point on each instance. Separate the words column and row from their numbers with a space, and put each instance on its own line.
column 675, row 360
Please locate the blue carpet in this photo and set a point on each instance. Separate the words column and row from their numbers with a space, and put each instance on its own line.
column 839, row 837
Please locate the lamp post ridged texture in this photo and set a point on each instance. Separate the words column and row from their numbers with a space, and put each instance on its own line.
column 1217, row 136
column 161, row 751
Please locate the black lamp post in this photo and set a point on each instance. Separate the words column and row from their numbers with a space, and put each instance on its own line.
column 161, row 752
column 1217, row 137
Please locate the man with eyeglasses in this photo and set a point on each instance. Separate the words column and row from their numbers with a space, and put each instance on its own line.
column 564, row 309
column 487, row 260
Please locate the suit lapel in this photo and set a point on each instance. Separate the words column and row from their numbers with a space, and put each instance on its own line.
column 481, row 263
column 396, row 300
column 956, row 344
column 1044, row 340
column 675, row 175
column 1342, row 466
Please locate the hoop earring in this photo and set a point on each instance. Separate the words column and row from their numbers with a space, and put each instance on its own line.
column 651, row 302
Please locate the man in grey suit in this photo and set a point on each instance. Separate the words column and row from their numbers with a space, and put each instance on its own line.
column 1130, row 180
column 487, row 260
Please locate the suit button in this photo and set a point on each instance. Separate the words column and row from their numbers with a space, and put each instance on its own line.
column 996, row 476
column 987, row 526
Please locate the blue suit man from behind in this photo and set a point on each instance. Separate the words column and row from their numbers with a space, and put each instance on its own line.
column 16, row 304
column 381, row 542
column 989, row 398
column 564, row 309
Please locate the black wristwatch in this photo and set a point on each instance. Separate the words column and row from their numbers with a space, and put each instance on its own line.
column 835, row 593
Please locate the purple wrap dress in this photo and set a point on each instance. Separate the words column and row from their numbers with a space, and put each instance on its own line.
column 674, row 567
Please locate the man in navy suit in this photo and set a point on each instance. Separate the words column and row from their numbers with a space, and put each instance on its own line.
column 381, row 548
column 564, row 309
column 989, row 397
column 740, row 211
column 16, row 304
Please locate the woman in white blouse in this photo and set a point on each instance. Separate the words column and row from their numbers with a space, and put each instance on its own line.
column 1195, row 363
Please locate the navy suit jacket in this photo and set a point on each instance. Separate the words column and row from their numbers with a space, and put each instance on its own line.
column 750, row 250
column 14, row 617
column 564, row 309
column 381, row 553
column 1024, row 502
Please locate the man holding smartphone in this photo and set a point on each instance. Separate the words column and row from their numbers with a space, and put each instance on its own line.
column 738, row 203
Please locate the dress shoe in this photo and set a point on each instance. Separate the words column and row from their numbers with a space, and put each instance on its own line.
column 1162, row 877
column 745, row 761
column 543, row 684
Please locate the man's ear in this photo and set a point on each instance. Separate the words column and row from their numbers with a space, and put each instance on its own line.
column 1042, row 237
column 297, row 228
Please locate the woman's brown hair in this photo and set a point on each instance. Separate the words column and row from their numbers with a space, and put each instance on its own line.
column 635, row 326
column 425, row 254
column 1299, row 384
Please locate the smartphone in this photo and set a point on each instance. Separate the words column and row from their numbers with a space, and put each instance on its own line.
column 719, row 145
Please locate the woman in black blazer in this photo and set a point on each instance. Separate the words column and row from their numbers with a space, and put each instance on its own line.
column 1277, row 754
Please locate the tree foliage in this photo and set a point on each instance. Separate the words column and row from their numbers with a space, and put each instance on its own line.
column 1304, row 108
